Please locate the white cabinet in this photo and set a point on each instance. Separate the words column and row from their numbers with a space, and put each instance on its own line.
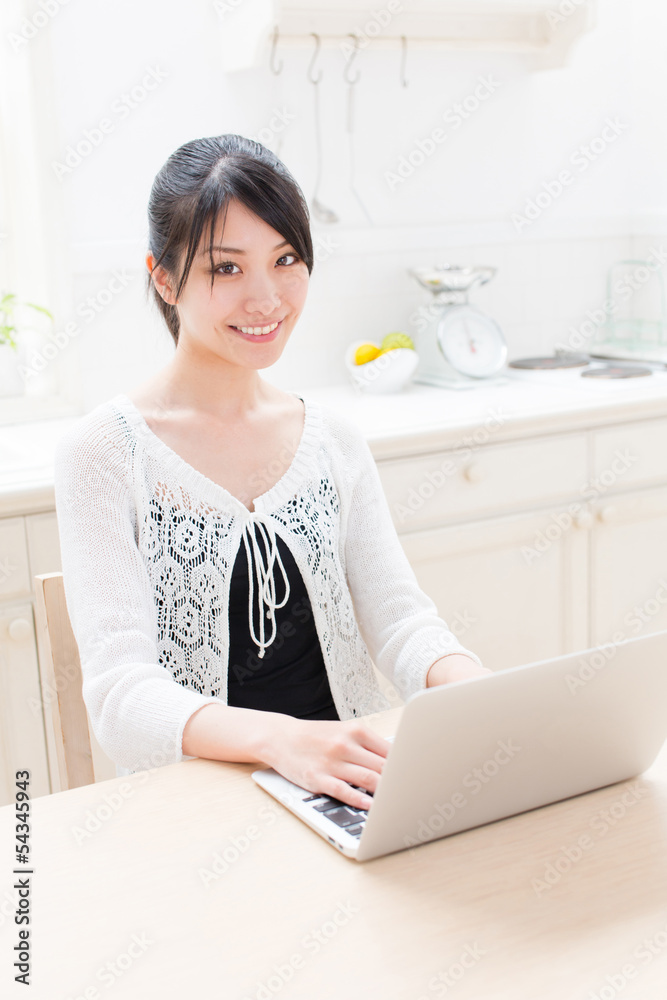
column 629, row 565
column 577, row 557
column 502, row 599
column 14, row 565
column 464, row 484
column 22, row 737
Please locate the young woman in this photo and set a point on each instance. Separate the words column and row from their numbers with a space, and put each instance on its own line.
column 230, row 563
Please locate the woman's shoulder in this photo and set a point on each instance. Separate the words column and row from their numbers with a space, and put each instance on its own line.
column 340, row 428
column 104, row 430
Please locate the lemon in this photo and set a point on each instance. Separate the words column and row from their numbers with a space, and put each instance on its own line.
column 393, row 340
column 366, row 352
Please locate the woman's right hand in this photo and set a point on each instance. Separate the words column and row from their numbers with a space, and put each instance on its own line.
column 330, row 757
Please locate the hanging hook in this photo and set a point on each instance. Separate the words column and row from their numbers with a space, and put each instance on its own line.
column 275, row 67
column 347, row 76
column 404, row 53
column 311, row 77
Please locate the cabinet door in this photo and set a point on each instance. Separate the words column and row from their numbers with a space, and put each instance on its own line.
column 15, row 582
column 512, row 590
column 22, row 739
column 43, row 543
column 629, row 559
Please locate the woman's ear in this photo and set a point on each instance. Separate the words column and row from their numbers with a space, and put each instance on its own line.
column 161, row 280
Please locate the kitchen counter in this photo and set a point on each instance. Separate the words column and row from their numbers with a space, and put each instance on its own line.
column 424, row 416
column 409, row 422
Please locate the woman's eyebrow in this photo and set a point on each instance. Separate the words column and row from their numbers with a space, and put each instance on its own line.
column 238, row 250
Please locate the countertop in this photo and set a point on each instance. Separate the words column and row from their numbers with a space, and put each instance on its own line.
column 419, row 418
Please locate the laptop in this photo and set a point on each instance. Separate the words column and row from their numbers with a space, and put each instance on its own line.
column 480, row 750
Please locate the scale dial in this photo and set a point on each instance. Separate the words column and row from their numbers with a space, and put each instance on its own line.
column 471, row 342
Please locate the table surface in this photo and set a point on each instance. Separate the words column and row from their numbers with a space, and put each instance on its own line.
column 189, row 881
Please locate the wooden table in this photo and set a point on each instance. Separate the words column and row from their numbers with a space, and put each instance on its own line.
column 190, row 881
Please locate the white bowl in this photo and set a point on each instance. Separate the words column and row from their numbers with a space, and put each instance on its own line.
column 388, row 373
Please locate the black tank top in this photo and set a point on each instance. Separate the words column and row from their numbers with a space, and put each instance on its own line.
column 291, row 677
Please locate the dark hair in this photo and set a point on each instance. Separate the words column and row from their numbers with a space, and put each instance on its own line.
column 197, row 182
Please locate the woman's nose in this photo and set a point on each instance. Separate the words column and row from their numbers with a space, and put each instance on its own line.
column 262, row 296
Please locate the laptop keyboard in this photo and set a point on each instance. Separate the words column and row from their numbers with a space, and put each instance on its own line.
column 349, row 818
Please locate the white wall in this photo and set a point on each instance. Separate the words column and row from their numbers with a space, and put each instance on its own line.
column 456, row 207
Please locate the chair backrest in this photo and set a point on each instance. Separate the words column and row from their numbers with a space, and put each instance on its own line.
column 60, row 671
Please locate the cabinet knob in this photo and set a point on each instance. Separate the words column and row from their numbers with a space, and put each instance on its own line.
column 584, row 519
column 20, row 629
column 474, row 472
column 608, row 514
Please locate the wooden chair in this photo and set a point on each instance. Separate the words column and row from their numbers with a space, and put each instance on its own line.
column 65, row 713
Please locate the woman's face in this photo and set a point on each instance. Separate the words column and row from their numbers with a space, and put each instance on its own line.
column 259, row 282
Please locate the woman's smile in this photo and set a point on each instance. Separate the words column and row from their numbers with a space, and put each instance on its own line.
column 259, row 333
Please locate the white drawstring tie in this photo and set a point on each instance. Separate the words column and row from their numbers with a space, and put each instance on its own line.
column 266, row 585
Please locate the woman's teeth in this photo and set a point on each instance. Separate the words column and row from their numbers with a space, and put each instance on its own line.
column 257, row 330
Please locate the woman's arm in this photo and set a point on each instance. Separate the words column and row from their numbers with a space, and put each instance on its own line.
column 320, row 756
column 137, row 709
column 454, row 667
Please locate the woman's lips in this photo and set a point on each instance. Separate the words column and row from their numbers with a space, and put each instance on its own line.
column 261, row 338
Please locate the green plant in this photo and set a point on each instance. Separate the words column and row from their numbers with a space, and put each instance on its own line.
column 8, row 303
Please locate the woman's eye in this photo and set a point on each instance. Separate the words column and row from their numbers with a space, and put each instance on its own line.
column 224, row 268
column 221, row 267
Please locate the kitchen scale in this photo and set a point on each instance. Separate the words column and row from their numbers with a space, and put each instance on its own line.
column 460, row 347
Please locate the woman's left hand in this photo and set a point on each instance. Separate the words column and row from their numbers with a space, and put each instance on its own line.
column 454, row 667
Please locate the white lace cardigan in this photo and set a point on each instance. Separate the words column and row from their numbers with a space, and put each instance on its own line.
column 148, row 544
